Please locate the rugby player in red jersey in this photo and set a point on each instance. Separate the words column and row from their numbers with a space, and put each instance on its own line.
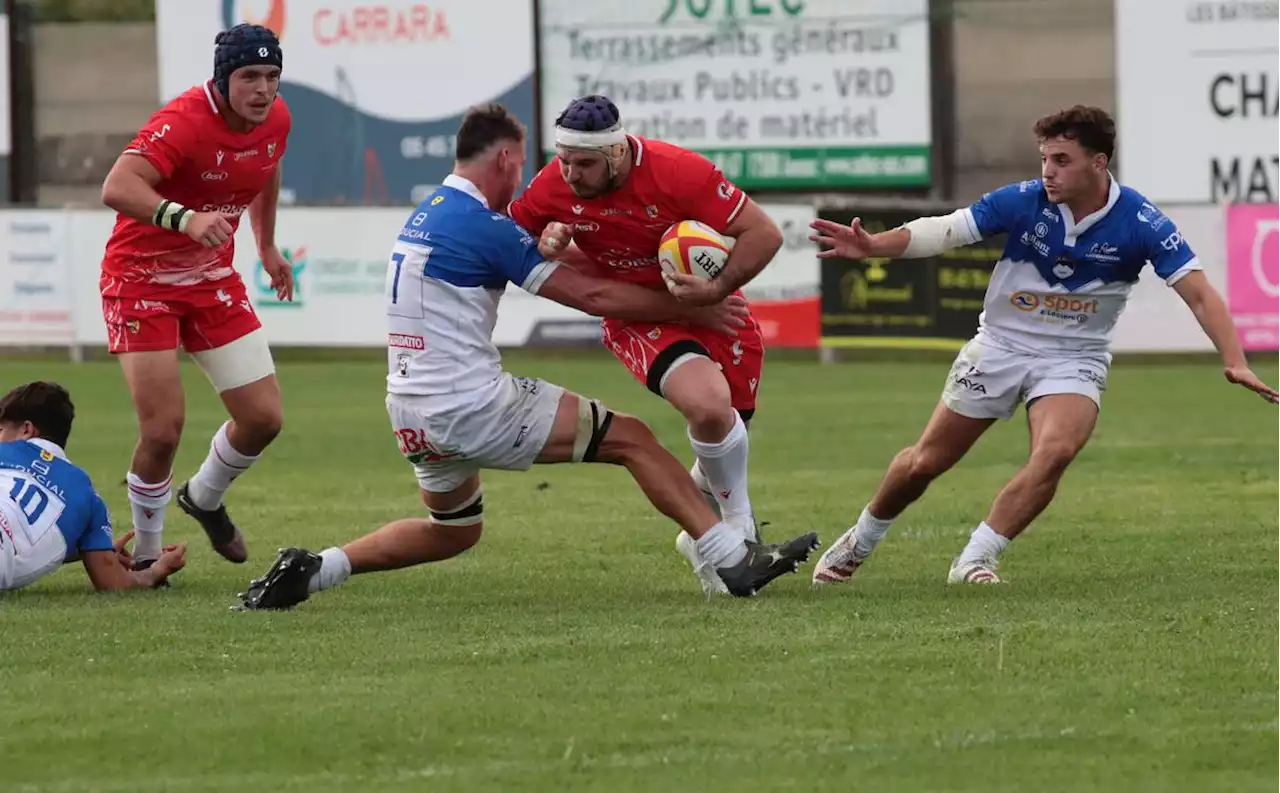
column 614, row 195
column 179, row 189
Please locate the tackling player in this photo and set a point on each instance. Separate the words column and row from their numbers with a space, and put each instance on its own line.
column 168, row 281
column 617, row 194
column 455, row 412
column 1077, row 241
column 49, row 511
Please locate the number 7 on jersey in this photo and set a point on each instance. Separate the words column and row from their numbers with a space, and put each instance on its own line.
column 405, row 272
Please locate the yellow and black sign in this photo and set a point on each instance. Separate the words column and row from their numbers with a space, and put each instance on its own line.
column 904, row 303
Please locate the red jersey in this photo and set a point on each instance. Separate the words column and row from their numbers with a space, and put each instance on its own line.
column 621, row 230
column 205, row 166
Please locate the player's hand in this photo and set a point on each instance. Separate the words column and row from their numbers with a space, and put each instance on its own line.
column 555, row 238
column 845, row 242
column 172, row 559
column 121, row 547
column 279, row 270
column 210, row 229
column 694, row 290
column 1243, row 375
column 725, row 317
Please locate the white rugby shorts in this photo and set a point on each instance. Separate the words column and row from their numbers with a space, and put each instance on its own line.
column 988, row 382
column 502, row 426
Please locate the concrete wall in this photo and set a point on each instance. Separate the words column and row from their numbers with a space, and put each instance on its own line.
column 1015, row 61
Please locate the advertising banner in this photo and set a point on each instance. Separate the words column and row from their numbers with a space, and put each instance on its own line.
column 1196, row 99
column 1253, row 274
column 35, row 279
column 929, row 303
column 780, row 93
column 377, row 90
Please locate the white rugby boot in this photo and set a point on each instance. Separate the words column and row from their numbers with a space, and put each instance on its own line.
column 982, row 571
column 840, row 561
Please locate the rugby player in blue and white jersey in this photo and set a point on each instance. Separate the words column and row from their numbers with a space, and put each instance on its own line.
column 1077, row 241
column 50, row 512
column 455, row 412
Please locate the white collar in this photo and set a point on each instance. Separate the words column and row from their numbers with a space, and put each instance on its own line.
column 49, row 446
column 465, row 186
column 1074, row 228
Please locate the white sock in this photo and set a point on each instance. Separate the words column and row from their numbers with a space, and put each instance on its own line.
column 335, row 568
column 722, row 546
column 725, row 466
column 147, row 502
column 700, row 479
column 869, row 531
column 984, row 545
column 218, row 471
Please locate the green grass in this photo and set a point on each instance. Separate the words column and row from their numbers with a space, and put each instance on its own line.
column 1133, row 649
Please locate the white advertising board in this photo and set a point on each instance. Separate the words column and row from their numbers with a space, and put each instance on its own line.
column 780, row 93
column 340, row 257
column 36, row 279
column 1196, row 99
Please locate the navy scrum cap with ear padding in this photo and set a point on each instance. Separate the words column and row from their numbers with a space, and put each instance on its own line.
column 240, row 46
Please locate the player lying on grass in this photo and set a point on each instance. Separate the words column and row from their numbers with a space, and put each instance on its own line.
column 1077, row 243
column 455, row 412
column 168, row 280
column 50, row 512
column 615, row 194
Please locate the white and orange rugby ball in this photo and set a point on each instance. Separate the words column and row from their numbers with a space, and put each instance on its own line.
column 693, row 248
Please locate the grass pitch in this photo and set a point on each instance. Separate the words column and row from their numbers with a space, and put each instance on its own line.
column 1133, row 647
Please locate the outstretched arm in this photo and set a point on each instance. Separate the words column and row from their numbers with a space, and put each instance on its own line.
column 1212, row 314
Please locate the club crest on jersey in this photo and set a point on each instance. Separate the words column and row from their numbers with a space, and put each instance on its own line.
column 46, row 455
column 1064, row 267
column 271, row 149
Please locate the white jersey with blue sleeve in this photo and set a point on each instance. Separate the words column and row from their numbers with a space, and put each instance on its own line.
column 50, row 512
column 451, row 263
column 1061, row 283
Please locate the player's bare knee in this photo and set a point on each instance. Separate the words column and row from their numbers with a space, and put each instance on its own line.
column 628, row 438
column 264, row 422
column 1053, row 457
column 159, row 434
column 926, row 463
column 710, row 419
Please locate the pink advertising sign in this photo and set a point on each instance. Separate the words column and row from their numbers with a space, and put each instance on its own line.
column 1253, row 274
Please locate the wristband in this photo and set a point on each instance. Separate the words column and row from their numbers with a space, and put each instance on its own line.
column 172, row 215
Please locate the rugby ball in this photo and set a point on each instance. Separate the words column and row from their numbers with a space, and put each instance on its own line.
column 693, row 248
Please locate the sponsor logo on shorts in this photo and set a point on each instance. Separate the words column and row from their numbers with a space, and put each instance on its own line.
column 418, row 448
column 150, row 305
column 1090, row 376
column 524, row 432
column 969, row 380
column 405, row 341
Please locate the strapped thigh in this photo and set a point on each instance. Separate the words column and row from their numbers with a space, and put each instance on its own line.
column 593, row 423
column 468, row 513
